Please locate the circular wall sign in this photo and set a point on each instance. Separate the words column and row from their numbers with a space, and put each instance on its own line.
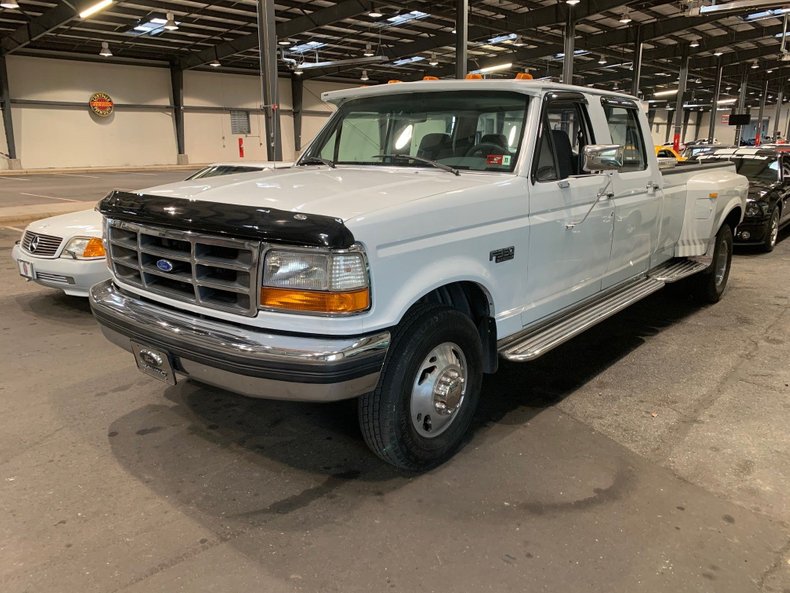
column 101, row 104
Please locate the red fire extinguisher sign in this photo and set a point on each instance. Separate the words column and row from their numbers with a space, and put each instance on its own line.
column 241, row 148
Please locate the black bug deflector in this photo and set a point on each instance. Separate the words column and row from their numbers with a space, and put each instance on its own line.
column 248, row 222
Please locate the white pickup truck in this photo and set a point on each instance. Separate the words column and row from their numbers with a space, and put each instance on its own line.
column 429, row 229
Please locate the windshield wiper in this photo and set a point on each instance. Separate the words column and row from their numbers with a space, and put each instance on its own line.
column 408, row 157
column 317, row 160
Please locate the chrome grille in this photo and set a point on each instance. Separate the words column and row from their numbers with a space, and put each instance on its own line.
column 206, row 270
column 41, row 245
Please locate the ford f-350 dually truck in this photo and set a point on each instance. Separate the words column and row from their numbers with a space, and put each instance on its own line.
column 428, row 230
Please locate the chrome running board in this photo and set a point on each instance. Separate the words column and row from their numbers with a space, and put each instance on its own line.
column 532, row 343
column 676, row 269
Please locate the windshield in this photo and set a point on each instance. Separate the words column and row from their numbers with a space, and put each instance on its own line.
column 472, row 130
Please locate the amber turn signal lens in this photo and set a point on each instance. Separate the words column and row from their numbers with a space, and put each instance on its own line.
column 94, row 248
column 315, row 300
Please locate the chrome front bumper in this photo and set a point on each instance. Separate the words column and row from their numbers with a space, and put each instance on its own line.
column 243, row 359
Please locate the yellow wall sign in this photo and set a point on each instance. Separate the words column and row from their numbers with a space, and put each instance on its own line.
column 101, row 104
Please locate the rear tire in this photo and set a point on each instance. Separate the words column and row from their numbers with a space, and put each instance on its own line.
column 711, row 283
column 427, row 395
column 772, row 231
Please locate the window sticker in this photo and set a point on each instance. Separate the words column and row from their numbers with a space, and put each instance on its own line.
column 495, row 159
column 506, row 159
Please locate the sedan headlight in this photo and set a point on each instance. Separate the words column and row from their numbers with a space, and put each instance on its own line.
column 756, row 209
column 313, row 281
column 84, row 248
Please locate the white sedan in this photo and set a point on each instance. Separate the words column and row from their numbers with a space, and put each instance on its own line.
column 67, row 252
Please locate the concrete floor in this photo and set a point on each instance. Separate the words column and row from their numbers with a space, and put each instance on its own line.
column 650, row 454
column 47, row 188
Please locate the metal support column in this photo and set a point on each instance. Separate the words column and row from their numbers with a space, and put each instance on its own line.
column 715, row 104
column 297, row 92
column 8, row 124
column 741, row 103
column 461, row 36
column 568, row 42
column 684, row 131
column 787, row 136
column 177, row 88
column 267, row 46
column 637, row 61
column 758, row 134
column 684, row 73
column 779, row 96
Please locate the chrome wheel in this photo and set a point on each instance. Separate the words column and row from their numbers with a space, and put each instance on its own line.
column 773, row 229
column 438, row 390
column 722, row 262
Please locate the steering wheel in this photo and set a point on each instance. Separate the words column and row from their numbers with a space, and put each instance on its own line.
column 484, row 147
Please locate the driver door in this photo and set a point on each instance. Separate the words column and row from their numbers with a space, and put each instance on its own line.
column 567, row 258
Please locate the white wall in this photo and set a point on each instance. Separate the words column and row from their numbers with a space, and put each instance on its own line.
column 71, row 136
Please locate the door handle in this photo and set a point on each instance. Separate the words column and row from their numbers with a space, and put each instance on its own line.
column 652, row 186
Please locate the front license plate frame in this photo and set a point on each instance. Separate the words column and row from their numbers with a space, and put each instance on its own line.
column 154, row 362
column 26, row 269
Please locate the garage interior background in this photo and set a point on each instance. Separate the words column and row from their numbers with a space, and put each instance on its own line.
column 54, row 61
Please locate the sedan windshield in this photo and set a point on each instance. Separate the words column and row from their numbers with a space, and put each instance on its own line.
column 467, row 130
column 758, row 167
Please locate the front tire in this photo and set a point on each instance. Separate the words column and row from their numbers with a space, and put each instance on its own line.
column 428, row 392
column 772, row 231
column 711, row 283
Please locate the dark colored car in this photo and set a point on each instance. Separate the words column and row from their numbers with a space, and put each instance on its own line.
column 768, row 206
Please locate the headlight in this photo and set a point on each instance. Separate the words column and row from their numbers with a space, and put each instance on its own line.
column 84, row 248
column 756, row 209
column 315, row 281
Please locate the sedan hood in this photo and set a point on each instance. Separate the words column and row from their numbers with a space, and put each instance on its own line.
column 344, row 192
column 85, row 223
column 759, row 190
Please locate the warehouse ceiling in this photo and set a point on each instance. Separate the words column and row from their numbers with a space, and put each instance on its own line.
column 407, row 40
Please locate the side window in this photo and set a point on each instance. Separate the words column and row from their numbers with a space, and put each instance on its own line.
column 565, row 133
column 625, row 131
column 665, row 154
column 785, row 168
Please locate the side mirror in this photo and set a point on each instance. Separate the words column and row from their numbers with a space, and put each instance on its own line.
column 603, row 157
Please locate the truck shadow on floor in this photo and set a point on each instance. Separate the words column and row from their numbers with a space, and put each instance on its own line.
column 244, row 462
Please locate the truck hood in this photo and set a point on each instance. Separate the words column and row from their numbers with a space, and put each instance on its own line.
column 344, row 192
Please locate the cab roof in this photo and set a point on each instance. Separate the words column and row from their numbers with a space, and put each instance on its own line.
column 528, row 87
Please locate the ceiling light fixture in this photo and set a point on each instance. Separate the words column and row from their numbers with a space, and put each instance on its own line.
column 284, row 42
column 602, row 60
column 10, row 5
column 769, row 70
column 298, row 71
column 368, row 50
column 374, row 14
column 91, row 10
column 694, row 43
column 625, row 19
column 105, row 50
column 572, row 2
column 215, row 63
column 717, row 53
column 755, row 65
column 171, row 25
column 364, row 77
column 434, row 61
column 488, row 69
column 666, row 93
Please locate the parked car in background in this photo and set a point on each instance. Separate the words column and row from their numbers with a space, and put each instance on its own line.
column 768, row 205
column 667, row 152
column 66, row 251
column 694, row 151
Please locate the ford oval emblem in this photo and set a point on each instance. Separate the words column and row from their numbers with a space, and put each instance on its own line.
column 151, row 358
column 164, row 265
